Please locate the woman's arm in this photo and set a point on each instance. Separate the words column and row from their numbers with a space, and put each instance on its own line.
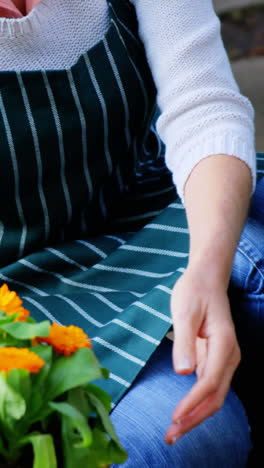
column 217, row 197
column 202, row 111
column 208, row 129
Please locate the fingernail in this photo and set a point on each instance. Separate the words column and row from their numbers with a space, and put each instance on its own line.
column 176, row 438
column 184, row 364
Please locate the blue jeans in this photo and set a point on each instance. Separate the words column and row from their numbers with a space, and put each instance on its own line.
column 246, row 295
column 144, row 414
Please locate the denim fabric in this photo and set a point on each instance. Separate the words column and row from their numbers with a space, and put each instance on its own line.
column 248, row 267
column 144, row 413
column 247, row 279
column 246, row 295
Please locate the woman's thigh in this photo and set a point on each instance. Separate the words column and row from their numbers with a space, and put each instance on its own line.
column 246, row 289
column 143, row 415
column 248, row 267
column 246, row 293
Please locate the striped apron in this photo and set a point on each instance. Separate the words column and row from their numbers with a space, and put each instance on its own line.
column 91, row 230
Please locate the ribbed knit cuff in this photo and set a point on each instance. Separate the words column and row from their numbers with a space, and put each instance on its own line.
column 227, row 143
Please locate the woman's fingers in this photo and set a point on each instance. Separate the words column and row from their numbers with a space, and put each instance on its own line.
column 201, row 355
column 207, row 408
column 187, row 322
column 222, row 359
column 201, row 312
column 184, row 346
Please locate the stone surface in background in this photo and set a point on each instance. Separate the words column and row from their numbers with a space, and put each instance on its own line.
column 243, row 32
column 249, row 74
column 247, row 42
column 224, row 5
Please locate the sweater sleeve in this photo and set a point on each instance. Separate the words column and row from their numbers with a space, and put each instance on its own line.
column 203, row 112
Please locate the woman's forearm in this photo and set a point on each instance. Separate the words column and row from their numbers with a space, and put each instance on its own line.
column 217, row 196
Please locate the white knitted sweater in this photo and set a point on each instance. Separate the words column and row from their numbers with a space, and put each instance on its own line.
column 202, row 110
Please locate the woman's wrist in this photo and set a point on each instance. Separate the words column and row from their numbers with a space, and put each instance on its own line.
column 217, row 198
column 212, row 266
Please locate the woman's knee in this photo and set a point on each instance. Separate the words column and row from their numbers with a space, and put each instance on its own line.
column 141, row 423
column 248, row 266
column 218, row 442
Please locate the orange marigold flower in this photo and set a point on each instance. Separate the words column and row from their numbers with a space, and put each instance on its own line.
column 19, row 358
column 10, row 303
column 66, row 340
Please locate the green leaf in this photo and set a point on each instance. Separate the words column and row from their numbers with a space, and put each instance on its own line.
column 101, row 395
column 12, row 404
column 106, row 450
column 46, row 353
column 116, row 453
column 99, row 450
column 100, row 453
column 77, row 397
column 7, row 340
column 105, row 372
column 25, row 331
column 77, row 421
column 38, row 404
column 70, row 372
column 19, row 380
column 107, row 424
column 30, row 319
column 6, row 318
column 104, row 416
column 43, row 448
column 3, row 451
column 73, row 457
column 79, row 457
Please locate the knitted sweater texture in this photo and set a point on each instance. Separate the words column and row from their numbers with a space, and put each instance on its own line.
column 202, row 110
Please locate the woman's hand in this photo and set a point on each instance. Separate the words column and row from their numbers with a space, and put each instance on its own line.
column 217, row 195
column 205, row 342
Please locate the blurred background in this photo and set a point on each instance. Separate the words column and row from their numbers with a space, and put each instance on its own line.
column 243, row 35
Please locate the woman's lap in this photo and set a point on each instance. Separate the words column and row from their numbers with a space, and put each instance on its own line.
column 144, row 413
column 246, row 294
column 247, row 280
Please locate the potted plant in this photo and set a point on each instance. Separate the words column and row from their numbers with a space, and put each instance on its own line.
column 51, row 414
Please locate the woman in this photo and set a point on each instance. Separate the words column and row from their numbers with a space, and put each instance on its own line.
column 91, row 232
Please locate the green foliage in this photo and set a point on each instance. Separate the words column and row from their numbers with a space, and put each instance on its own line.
column 26, row 331
column 69, row 372
column 104, row 447
column 44, row 450
column 61, row 395
column 12, row 403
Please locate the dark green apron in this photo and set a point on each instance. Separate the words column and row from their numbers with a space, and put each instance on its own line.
column 86, row 233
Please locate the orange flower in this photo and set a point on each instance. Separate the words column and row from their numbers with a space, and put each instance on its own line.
column 10, row 303
column 66, row 340
column 19, row 358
